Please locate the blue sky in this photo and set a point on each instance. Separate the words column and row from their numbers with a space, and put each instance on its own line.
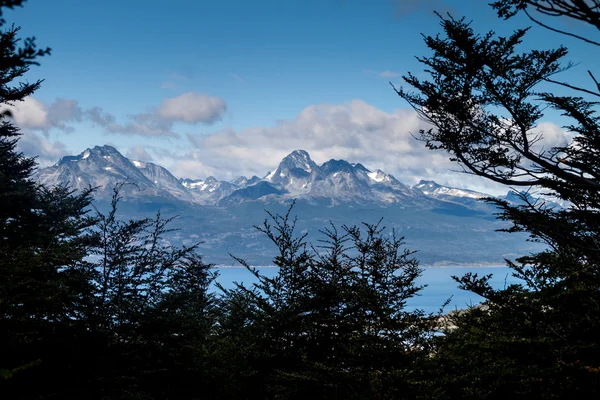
column 229, row 87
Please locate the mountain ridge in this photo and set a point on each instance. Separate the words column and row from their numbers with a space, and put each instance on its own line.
column 296, row 176
column 447, row 225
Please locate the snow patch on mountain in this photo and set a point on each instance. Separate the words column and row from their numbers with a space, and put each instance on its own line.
column 101, row 167
column 434, row 189
column 191, row 183
column 296, row 177
column 377, row 176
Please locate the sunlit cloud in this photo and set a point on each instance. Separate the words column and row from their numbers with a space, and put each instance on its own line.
column 354, row 131
column 189, row 108
column 36, row 115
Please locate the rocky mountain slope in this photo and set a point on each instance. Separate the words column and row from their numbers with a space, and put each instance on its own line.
column 297, row 176
column 447, row 225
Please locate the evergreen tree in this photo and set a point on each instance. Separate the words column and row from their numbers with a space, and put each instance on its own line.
column 332, row 323
column 537, row 339
column 150, row 314
column 41, row 234
column 90, row 306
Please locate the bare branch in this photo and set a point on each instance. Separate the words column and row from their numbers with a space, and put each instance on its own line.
column 561, row 31
column 572, row 87
column 594, row 79
column 575, row 9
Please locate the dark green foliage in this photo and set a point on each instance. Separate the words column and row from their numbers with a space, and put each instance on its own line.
column 150, row 309
column 97, row 307
column 15, row 60
column 127, row 316
column 90, row 307
column 587, row 11
column 332, row 323
column 537, row 339
column 42, row 235
column 42, row 281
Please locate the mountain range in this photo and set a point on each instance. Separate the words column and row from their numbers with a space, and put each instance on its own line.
column 297, row 176
column 447, row 225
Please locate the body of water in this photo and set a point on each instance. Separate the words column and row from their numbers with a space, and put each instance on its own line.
column 440, row 285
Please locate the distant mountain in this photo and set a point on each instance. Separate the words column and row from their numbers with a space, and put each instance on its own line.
column 464, row 197
column 434, row 189
column 447, row 225
column 257, row 191
column 472, row 198
column 163, row 180
column 242, row 181
column 338, row 181
column 518, row 198
column 102, row 167
column 209, row 191
column 294, row 171
column 523, row 197
column 297, row 176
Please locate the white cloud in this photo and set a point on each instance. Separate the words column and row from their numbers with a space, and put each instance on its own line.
column 383, row 74
column 388, row 74
column 138, row 152
column 237, row 78
column 29, row 113
column 144, row 124
column 355, row 131
column 192, row 108
column 551, row 135
column 47, row 152
column 189, row 108
column 34, row 114
column 100, row 117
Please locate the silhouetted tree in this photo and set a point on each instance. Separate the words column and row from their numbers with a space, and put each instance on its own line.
column 41, row 232
column 332, row 323
column 537, row 339
column 90, row 306
column 151, row 309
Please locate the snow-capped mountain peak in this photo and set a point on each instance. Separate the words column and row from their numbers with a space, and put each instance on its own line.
column 335, row 166
column 297, row 176
column 434, row 189
column 242, row 181
column 337, row 181
column 102, row 167
column 295, row 171
column 163, row 179
column 299, row 159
